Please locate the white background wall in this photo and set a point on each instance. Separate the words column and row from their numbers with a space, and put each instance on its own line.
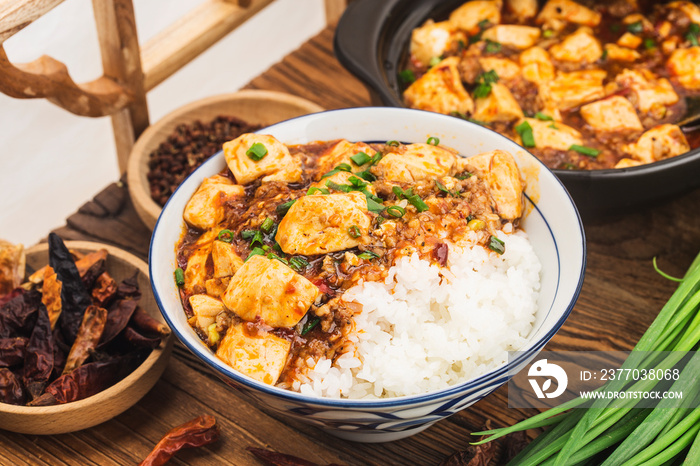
column 51, row 162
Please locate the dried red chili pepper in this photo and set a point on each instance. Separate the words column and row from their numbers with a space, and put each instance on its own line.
column 88, row 380
column 117, row 318
column 51, row 295
column 198, row 432
column 11, row 391
column 440, row 253
column 90, row 276
column 88, row 261
column 11, row 295
column 38, row 360
column 74, row 297
column 12, row 351
column 104, row 290
column 143, row 321
column 88, row 336
column 17, row 316
column 140, row 341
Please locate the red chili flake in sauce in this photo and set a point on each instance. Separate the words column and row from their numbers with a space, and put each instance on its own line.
column 440, row 253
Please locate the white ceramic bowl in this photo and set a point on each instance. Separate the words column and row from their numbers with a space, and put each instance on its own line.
column 551, row 221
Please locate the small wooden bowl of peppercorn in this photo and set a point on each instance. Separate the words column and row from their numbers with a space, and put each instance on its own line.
column 172, row 148
column 59, row 398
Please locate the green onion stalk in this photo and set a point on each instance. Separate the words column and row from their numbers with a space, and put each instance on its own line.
column 616, row 432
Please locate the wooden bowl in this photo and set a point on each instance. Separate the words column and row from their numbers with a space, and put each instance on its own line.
column 252, row 106
column 88, row 412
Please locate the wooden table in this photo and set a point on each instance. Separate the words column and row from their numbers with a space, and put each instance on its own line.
column 621, row 296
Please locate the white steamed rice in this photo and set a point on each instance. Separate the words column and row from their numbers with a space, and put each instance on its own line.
column 426, row 328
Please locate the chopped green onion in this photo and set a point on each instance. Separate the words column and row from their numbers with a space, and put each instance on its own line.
column 496, row 245
column 367, row 175
column 179, row 277
column 310, row 324
column 483, row 24
column 464, row 176
column 585, row 150
column 553, row 126
column 407, row 76
column 257, row 238
column 444, row 189
column 482, row 90
column 374, row 206
column 478, row 122
column 636, row 27
column 418, row 203
column 489, row 77
column 393, row 143
column 283, row 208
column 343, row 167
column 354, row 231
column 396, row 211
column 266, row 248
column 225, row 235
column 569, row 166
column 492, row 47
column 376, row 158
column 277, row 247
column 346, row 188
column 543, row 116
column 298, row 263
column 434, row 61
column 248, row 234
column 255, row 252
column 433, row 141
column 693, row 33
column 649, row 43
column 267, row 225
column 314, row 190
column 604, row 55
column 272, row 255
column 525, row 131
column 475, row 38
column 398, row 192
column 547, row 33
column 257, row 151
column 360, row 158
column 369, row 255
column 356, row 182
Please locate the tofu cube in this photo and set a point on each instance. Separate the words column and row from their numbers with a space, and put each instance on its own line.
column 217, row 286
column 648, row 94
column 556, row 14
column 440, row 90
column 205, row 209
column 468, row 16
column 499, row 105
column 689, row 9
column 205, row 310
column 553, row 135
column 580, row 47
column 261, row 356
column 318, row 224
column 522, row 9
column 513, row 36
column 433, row 39
column 415, row 162
column 569, row 90
column 536, row 65
column 341, row 178
column 226, row 260
column 629, row 40
column 626, row 163
column 268, row 289
column 658, row 143
column 277, row 163
column 196, row 271
column 505, row 68
column 684, row 64
column 341, row 153
column 612, row 114
column 501, row 174
column 617, row 53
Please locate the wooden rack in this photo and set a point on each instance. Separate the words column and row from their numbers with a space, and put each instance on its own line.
column 130, row 70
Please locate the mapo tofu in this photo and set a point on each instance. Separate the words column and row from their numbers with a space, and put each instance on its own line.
column 581, row 84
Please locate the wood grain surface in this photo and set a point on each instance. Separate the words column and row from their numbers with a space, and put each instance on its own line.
column 621, row 295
